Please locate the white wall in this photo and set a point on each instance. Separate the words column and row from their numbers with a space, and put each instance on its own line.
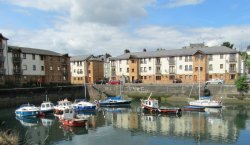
column 74, row 68
column 30, row 62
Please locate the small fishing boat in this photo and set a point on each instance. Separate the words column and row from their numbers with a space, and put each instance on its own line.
column 151, row 105
column 27, row 110
column 207, row 102
column 62, row 105
column 194, row 108
column 47, row 108
column 69, row 118
column 116, row 101
column 82, row 105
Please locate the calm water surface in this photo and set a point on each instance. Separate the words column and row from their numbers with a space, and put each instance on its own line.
column 128, row 126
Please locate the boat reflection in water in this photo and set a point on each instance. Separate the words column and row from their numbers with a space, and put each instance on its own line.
column 47, row 122
column 28, row 121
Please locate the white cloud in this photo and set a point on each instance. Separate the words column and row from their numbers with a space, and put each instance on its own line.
column 111, row 12
column 179, row 3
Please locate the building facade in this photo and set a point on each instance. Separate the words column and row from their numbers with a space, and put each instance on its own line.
column 190, row 64
column 3, row 54
column 37, row 66
column 86, row 69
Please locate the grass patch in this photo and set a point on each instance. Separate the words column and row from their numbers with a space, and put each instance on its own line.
column 8, row 138
column 139, row 96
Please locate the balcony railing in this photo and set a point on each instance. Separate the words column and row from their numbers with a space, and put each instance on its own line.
column 171, row 72
column 17, row 71
column 232, row 70
column 232, row 59
column 16, row 59
column 2, row 58
column 171, row 62
column 157, row 63
column 158, row 72
column 2, row 71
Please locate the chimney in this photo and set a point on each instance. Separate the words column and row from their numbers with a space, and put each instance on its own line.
column 126, row 51
column 144, row 50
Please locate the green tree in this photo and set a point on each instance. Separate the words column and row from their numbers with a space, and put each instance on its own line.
column 241, row 85
column 227, row 44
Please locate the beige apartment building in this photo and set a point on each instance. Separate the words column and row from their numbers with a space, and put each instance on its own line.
column 86, row 69
column 162, row 66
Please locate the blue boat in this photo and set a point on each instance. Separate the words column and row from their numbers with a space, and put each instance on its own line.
column 82, row 105
column 28, row 121
column 27, row 110
column 194, row 108
column 116, row 101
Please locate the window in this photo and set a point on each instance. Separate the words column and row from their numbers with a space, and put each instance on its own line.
column 180, row 67
column 58, row 68
column 158, row 77
column 120, row 69
column 210, row 67
column 186, row 58
column 190, row 58
column 24, row 56
column 186, row 76
column 133, row 61
column 34, row 67
column 190, row 67
column 210, row 57
column 127, row 70
column 201, row 68
column 50, row 68
column 24, row 67
column 149, row 60
column 127, row 61
column 41, row 57
column 186, row 67
column 33, row 56
column 232, row 76
column 141, row 69
column 221, row 66
column 42, row 68
column 180, row 58
column 145, row 69
column 190, row 76
column 149, row 68
column 180, row 76
column 133, row 70
column 221, row 56
column 145, row 77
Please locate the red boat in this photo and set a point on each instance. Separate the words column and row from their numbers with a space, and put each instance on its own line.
column 69, row 118
column 151, row 105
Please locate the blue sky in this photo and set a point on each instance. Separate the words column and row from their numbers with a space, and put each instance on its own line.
column 81, row 27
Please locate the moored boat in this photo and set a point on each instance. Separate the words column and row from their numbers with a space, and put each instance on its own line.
column 207, row 102
column 194, row 108
column 69, row 118
column 27, row 110
column 62, row 105
column 116, row 101
column 152, row 105
column 82, row 105
column 47, row 108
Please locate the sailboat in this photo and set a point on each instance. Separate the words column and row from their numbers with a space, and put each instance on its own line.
column 206, row 101
column 116, row 101
column 82, row 104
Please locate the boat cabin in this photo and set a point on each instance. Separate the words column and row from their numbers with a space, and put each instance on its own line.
column 151, row 103
column 68, row 114
column 47, row 105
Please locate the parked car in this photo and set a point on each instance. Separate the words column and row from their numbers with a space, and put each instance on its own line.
column 137, row 81
column 100, row 82
column 215, row 81
column 177, row 80
column 114, row 82
column 248, row 80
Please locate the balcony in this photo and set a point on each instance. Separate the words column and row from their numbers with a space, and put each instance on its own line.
column 157, row 63
column 158, row 72
column 17, row 71
column 232, row 59
column 171, row 62
column 2, row 58
column 171, row 72
column 65, row 73
column 16, row 59
column 2, row 71
column 232, row 70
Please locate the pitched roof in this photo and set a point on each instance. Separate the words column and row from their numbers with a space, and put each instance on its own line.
column 35, row 51
column 1, row 36
column 177, row 52
column 80, row 57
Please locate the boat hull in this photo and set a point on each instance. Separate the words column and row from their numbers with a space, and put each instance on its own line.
column 27, row 113
column 74, row 122
column 115, row 104
column 194, row 108
column 206, row 104
column 161, row 110
column 85, row 108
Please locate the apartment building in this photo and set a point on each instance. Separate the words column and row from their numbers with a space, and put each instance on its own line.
column 162, row 66
column 25, row 65
column 86, row 69
column 3, row 54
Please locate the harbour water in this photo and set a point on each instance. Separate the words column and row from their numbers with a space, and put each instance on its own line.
column 129, row 126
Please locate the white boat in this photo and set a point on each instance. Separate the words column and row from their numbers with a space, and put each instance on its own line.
column 61, row 106
column 47, row 108
column 206, row 101
column 27, row 110
column 82, row 105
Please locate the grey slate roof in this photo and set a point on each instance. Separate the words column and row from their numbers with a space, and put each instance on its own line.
column 177, row 52
column 35, row 51
column 80, row 57
column 1, row 36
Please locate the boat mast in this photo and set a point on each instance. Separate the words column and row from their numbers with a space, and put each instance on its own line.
column 199, row 76
column 85, row 75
